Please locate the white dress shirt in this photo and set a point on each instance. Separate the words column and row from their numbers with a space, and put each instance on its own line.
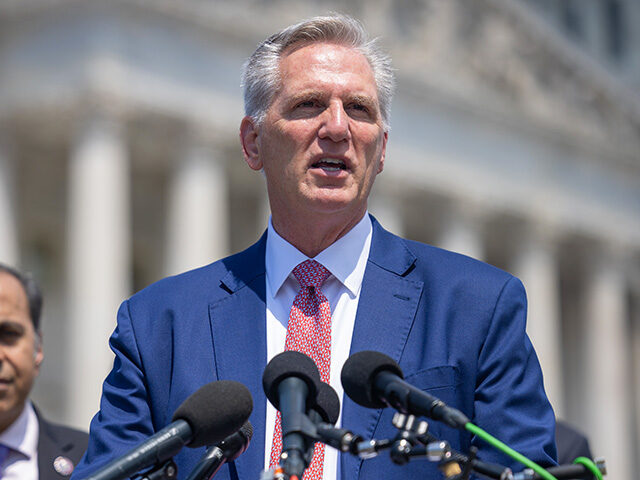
column 22, row 438
column 346, row 259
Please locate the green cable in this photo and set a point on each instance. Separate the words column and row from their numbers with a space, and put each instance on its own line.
column 508, row 450
column 591, row 466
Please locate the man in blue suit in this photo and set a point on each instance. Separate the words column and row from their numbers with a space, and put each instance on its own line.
column 317, row 101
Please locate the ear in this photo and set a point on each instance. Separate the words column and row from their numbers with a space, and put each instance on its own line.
column 38, row 354
column 249, row 139
column 384, row 152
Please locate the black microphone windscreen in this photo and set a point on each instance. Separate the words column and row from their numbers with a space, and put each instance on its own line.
column 247, row 430
column 289, row 364
column 215, row 411
column 358, row 375
column 327, row 404
column 234, row 445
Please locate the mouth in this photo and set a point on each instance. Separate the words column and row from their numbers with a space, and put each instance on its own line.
column 330, row 164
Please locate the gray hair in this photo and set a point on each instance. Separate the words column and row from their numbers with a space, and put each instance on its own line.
column 261, row 75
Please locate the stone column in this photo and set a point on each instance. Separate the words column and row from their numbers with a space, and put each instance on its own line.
column 595, row 29
column 606, row 365
column 98, row 257
column 462, row 231
column 9, row 237
column 535, row 264
column 388, row 211
column 197, row 226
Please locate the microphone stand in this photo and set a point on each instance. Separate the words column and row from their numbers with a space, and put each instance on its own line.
column 163, row 471
column 208, row 464
column 413, row 441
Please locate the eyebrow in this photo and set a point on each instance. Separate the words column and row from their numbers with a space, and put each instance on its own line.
column 302, row 96
column 314, row 95
column 365, row 100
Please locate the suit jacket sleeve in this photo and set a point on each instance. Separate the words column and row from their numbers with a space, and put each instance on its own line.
column 510, row 401
column 124, row 419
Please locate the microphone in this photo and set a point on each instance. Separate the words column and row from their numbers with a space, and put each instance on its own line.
column 327, row 406
column 324, row 414
column 374, row 380
column 206, row 417
column 291, row 383
column 226, row 451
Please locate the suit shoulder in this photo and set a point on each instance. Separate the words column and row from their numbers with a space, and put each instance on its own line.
column 442, row 272
column 69, row 433
column 55, row 439
column 203, row 278
column 57, row 430
column 203, row 281
column 444, row 261
column 177, row 284
column 451, row 275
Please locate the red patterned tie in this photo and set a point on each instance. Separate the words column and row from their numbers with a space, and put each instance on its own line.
column 309, row 332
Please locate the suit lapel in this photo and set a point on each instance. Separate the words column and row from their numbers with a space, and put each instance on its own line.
column 238, row 323
column 386, row 312
column 46, row 449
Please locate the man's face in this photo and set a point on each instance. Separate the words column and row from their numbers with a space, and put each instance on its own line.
column 20, row 357
column 322, row 142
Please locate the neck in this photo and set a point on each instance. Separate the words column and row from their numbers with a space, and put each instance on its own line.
column 313, row 236
column 10, row 417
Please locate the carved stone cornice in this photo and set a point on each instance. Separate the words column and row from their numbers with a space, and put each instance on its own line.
column 495, row 56
column 498, row 56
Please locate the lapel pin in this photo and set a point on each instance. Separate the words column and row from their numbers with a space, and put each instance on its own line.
column 63, row 465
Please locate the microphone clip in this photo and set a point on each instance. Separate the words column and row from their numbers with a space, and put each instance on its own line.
column 410, row 429
column 163, row 471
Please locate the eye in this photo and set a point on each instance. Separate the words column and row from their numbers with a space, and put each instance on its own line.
column 305, row 108
column 359, row 107
column 360, row 110
column 307, row 104
column 10, row 334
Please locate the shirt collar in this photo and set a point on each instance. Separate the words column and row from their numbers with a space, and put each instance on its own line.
column 22, row 434
column 345, row 258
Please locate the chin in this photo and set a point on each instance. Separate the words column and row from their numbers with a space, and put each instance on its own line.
column 6, row 408
column 331, row 205
column 333, row 197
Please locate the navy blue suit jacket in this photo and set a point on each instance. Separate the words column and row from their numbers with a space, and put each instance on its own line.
column 455, row 325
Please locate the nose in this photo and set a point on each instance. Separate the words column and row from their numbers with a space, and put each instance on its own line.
column 335, row 125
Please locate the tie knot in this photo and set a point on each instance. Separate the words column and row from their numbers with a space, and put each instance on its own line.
column 311, row 274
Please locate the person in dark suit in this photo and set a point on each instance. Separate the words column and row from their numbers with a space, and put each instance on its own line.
column 30, row 447
column 317, row 100
column 571, row 443
column 59, row 449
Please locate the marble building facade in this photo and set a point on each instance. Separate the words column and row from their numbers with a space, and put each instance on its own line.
column 120, row 164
